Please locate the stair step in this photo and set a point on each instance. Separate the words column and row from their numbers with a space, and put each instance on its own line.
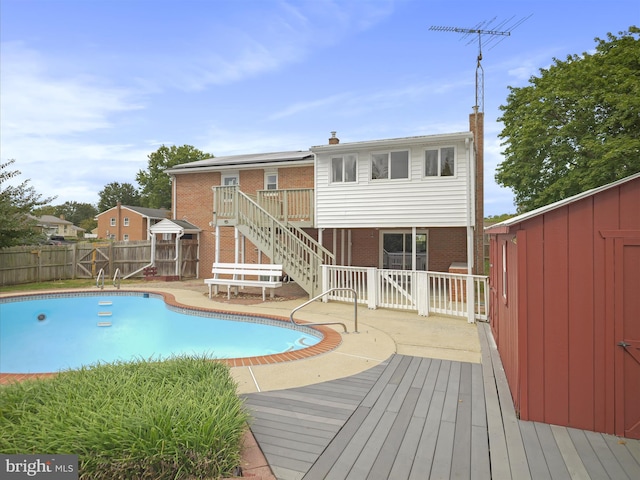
column 104, row 324
column 105, row 314
column 105, row 302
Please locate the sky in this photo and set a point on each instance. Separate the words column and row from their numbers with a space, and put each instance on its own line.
column 90, row 88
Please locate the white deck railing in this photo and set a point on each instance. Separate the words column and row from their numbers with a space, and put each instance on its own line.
column 427, row 292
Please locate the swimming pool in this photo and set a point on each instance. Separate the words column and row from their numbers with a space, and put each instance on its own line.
column 48, row 333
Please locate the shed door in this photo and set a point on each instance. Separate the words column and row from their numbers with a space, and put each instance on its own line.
column 627, row 273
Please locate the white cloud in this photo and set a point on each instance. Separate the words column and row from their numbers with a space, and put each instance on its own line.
column 268, row 40
column 35, row 103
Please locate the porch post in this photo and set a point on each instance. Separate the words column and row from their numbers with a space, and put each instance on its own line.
column 414, row 261
column 372, row 288
column 217, row 256
column 236, row 239
column 325, row 282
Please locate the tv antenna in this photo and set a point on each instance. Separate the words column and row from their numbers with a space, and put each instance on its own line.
column 501, row 31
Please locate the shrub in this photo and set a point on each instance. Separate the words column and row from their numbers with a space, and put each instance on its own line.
column 179, row 419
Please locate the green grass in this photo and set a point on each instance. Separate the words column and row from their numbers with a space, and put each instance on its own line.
column 176, row 419
column 77, row 283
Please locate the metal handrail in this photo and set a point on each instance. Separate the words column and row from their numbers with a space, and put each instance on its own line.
column 100, row 274
column 355, row 310
column 116, row 279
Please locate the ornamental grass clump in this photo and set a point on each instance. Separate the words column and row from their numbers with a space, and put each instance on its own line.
column 176, row 419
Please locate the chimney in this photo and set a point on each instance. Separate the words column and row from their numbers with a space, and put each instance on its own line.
column 476, row 125
column 334, row 140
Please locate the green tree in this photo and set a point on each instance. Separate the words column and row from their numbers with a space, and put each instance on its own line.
column 75, row 212
column 115, row 192
column 576, row 126
column 16, row 205
column 155, row 184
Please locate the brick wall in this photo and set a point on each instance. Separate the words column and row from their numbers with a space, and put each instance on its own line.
column 195, row 204
column 478, row 133
column 137, row 229
column 446, row 245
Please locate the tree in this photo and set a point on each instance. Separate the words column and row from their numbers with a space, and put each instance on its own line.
column 576, row 126
column 115, row 192
column 155, row 184
column 75, row 212
column 16, row 204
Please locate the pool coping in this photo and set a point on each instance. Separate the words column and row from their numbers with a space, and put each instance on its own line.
column 331, row 339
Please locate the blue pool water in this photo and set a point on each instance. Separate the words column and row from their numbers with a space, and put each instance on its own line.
column 51, row 334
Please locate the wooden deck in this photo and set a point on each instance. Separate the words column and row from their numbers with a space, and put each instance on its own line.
column 421, row 418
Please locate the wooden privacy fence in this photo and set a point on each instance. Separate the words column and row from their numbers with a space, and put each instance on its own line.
column 41, row 263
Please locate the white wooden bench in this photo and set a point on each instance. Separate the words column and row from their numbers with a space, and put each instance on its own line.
column 238, row 271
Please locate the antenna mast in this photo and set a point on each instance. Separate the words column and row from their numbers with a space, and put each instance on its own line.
column 492, row 34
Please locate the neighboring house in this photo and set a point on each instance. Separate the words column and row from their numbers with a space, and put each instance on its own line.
column 565, row 309
column 405, row 203
column 124, row 222
column 58, row 226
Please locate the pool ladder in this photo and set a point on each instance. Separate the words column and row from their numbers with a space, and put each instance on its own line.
column 104, row 313
column 117, row 277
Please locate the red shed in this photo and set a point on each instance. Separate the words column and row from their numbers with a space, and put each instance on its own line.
column 565, row 309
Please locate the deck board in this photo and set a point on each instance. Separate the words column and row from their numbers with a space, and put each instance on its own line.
column 425, row 418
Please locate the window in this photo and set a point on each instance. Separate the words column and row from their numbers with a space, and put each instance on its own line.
column 271, row 181
column 126, row 221
column 390, row 165
column 112, row 222
column 230, row 179
column 343, row 169
column 125, row 237
column 504, row 271
column 439, row 163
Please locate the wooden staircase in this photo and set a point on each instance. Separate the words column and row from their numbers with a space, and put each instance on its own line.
column 300, row 255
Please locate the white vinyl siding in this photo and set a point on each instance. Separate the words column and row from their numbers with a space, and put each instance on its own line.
column 438, row 201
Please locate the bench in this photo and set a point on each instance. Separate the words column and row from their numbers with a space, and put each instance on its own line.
column 238, row 271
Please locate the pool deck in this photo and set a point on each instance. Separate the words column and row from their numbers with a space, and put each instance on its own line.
column 406, row 397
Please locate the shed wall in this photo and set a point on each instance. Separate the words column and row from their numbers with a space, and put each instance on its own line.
column 556, row 338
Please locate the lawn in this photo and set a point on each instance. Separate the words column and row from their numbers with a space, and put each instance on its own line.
column 176, row 419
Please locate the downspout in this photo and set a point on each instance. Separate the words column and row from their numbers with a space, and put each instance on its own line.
column 214, row 222
column 178, row 237
column 174, row 197
column 470, row 235
column 153, row 255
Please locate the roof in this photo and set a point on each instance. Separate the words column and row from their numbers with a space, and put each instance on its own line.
column 173, row 226
column 393, row 142
column 504, row 226
column 52, row 219
column 242, row 161
column 145, row 212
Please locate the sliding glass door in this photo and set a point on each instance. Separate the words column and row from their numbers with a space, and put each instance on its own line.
column 398, row 248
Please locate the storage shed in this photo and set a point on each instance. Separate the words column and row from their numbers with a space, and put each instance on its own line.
column 565, row 309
